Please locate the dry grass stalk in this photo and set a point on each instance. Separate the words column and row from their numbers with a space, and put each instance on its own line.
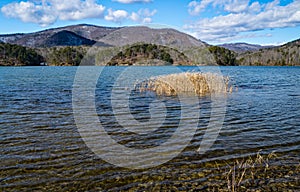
column 186, row 83
column 238, row 171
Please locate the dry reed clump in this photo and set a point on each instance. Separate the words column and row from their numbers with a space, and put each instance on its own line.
column 186, row 83
column 246, row 170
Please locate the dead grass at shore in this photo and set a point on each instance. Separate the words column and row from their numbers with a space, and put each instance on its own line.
column 186, row 83
column 246, row 170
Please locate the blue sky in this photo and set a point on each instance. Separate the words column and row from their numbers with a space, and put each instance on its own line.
column 214, row 21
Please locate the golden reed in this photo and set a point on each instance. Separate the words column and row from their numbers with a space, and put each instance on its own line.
column 196, row 83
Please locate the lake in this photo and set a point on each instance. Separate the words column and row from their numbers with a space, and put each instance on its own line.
column 43, row 147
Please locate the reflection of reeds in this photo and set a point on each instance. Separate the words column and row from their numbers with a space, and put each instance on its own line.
column 186, row 83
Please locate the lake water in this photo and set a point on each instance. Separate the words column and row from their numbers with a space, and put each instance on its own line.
column 42, row 148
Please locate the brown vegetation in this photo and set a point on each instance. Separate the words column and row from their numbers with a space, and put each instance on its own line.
column 246, row 170
column 186, row 83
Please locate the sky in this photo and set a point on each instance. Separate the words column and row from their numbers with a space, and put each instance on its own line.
column 265, row 22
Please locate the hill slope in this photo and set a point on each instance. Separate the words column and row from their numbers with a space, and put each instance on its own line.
column 243, row 47
column 38, row 39
column 165, row 37
column 149, row 54
column 15, row 55
column 105, row 36
column 287, row 54
column 67, row 38
column 197, row 52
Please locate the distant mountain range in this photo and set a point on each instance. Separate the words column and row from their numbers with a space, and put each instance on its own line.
column 243, row 47
column 104, row 36
column 165, row 37
column 52, row 45
column 67, row 38
column 76, row 35
column 84, row 34
column 284, row 55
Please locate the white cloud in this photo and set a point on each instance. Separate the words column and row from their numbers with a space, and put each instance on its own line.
column 133, row 1
column 116, row 16
column 236, row 6
column 147, row 20
column 143, row 16
column 147, row 12
column 233, row 6
column 197, row 7
column 29, row 12
column 240, row 19
column 48, row 11
column 255, row 7
column 78, row 9
column 135, row 17
column 272, row 4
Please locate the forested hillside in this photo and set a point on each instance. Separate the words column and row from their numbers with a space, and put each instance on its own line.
column 67, row 46
column 243, row 47
column 223, row 56
column 63, row 56
column 140, row 53
column 15, row 55
column 285, row 55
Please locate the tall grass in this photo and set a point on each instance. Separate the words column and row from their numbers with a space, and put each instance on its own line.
column 246, row 169
column 196, row 83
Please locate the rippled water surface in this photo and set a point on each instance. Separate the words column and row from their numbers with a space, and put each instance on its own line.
column 42, row 149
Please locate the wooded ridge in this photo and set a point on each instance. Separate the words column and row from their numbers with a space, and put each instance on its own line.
column 67, row 46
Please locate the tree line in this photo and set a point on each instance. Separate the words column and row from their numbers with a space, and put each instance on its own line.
column 63, row 56
column 223, row 56
column 17, row 55
column 141, row 51
column 286, row 55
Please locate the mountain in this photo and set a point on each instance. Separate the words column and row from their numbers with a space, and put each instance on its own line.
column 67, row 38
column 63, row 46
column 50, row 43
column 243, row 47
column 285, row 55
column 166, row 37
column 115, row 36
column 41, row 38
